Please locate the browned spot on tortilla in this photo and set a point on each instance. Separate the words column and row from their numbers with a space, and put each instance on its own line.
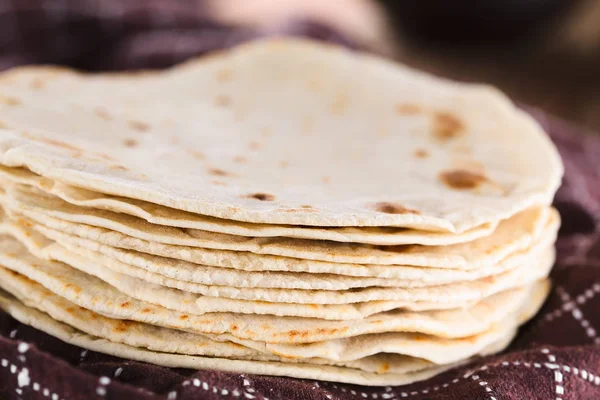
column 139, row 126
column 421, row 153
column 218, row 182
column 283, row 163
column 11, row 101
column 118, row 167
column 326, row 179
column 307, row 206
column 393, row 208
column 198, row 155
column 37, row 83
column 224, row 75
column 240, row 159
column 106, row 157
column 234, row 327
column 146, row 310
column 184, row 317
column 102, row 113
column 408, row 109
column 125, row 304
column 76, row 289
column 218, row 172
column 447, row 126
column 340, row 104
column 461, row 179
column 122, row 326
column 223, row 101
column 253, row 145
column 385, row 367
column 314, row 306
column 261, row 196
column 52, row 142
column 266, row 132
column 130, row 143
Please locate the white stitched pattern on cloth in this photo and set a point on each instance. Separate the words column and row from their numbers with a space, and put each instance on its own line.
column 577, row 313
column 24, row 380
column 558, row 376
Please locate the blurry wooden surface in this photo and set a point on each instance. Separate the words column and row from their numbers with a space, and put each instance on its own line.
column 557, row 70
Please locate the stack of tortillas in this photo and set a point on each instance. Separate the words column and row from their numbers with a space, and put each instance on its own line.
column 283, row 208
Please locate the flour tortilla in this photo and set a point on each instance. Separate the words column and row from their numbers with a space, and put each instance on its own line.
column 284, row 132
column 161, row 215
column 412, row 371
column 179, row 295
column 379, row 348
column 194, row 273
column 478, row 254
column 514, row 234
column 144, row 285
column 106, row 300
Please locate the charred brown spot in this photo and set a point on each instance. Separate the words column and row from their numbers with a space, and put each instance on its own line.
column 385, row 367
column 261, row 196
column 198, row 155
column 306, row 206
column 234, row 328
column 446, row 126
column 125, row 304
column 184, row 317
column 283, row 164
column 146, row 310
column 254, row 145
column 326, row 179
column 130, row 143
column 224, row 75
column 139, row 126
column 37, row 83
column 218, row 172
column 408, row 109
column 240, row 159
column 394, row 208
column 11, row 101
column 223, row 101
column 122, row 326
column 102, row 113
column 52, row 142
column 461, row 179
column 421, row 153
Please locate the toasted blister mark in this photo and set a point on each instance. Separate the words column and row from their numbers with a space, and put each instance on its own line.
column 408, row 109
column 130, row 143
column 421, row 153
column 198, row 155
column 224, row 75
column 102, row 113
column 393, row 208
column 326, row 179
column 284, row 164
column 218, row 172
column 340, row 104
column 139, row 126
column 261, row 196
column 223, row 101
column 461, row 179
column 37, row 84
column 447, row 126
column 118, row 167
column 254, row 145
column 10, row 100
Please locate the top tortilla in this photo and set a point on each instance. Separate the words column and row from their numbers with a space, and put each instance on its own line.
column 284, row 132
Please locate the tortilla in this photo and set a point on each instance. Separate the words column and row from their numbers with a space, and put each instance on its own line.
column 161, row 215
column 282, row 132
column 106, row 300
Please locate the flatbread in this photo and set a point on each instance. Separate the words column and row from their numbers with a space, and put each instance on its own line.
column 43, row 322
column 283, row 132
column 161, row 215
column 378, row 348
column 106, row 300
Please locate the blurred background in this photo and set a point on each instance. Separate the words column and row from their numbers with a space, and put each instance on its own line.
column 544, row 53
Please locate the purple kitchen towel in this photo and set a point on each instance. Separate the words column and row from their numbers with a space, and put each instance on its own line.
column 555, row 356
